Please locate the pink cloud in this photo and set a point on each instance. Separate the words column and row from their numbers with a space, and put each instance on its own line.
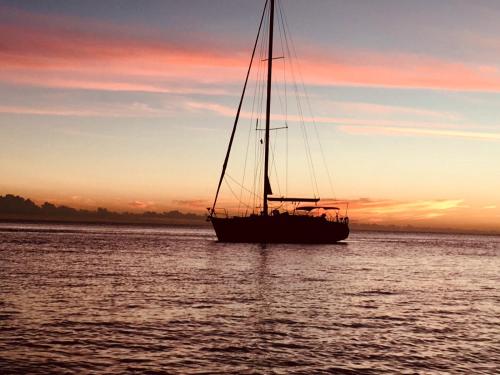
column 129, row 110
column 387, row 110
column 67, row 54
column 341, row 121
column 382, row 126
column 393, row 130
column 368, row 68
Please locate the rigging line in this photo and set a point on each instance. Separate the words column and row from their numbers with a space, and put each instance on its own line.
column 262, row 65
column 258, row 167
column 295, row 87
column 250, row 198
column 266, row 187
column 308, row 102
column 237, row 183
column 281, row 32
column 283, row 52
column 278, row 91
column 256, row 162
column 312, row 172
column 252, row 136
column 261, row 79
column 224, row 166
column 254, row 99
column 231, row 190
column 259, row 173
column 311, row 169
column 285, row 62
column 260, row 95
column 328, row 174
column 263, row 51
column 310, row 165
column 279, row 128
column 277, row 83
column 273, row 164
column 286, row 163
column 309, row 157
column 245, row 163
column 273, row 154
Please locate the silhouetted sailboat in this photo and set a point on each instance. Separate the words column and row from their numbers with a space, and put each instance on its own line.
column 304, row 224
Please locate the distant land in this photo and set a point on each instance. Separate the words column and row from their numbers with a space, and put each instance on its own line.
column 14, row 208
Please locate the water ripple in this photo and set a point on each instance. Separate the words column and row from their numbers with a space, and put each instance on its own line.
column 115, row 299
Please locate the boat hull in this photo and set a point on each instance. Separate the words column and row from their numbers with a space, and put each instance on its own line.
column 279, row 229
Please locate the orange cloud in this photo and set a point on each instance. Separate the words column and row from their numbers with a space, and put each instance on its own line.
column 391, row 212
column 142, row 204
column 192, row 204
column 490, row 207
column 436, row 213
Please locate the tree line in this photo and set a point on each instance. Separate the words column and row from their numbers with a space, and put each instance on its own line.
column 14, row 205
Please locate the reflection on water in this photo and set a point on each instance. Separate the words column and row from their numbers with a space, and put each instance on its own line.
column 116, row 299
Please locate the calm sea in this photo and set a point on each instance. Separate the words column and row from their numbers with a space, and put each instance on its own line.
column 115, row 299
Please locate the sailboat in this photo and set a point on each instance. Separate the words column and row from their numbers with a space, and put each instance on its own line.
column 309, row 221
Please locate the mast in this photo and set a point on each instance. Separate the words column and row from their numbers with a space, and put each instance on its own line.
column 267, row 185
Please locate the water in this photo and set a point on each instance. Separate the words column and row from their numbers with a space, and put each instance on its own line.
column 115, row 299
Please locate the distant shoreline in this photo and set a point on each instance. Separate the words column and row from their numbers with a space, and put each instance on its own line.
column 206, row 224
column 173, row 222
column 16, row 209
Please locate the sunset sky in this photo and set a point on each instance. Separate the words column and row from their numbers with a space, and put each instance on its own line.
column 129, row 104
